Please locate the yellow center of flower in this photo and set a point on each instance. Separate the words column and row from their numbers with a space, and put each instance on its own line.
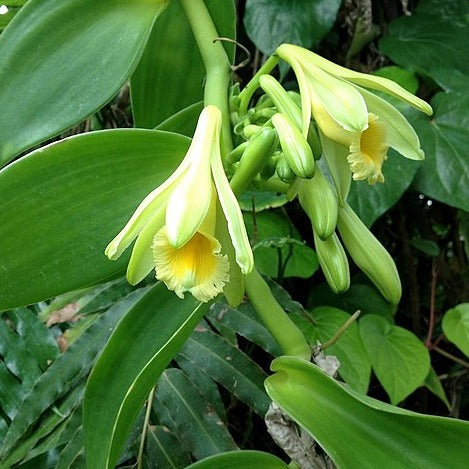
column 197, row 267
column 368, row 152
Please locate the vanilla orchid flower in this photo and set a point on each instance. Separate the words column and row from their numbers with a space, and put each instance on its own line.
column 175, row 224
column 348, row 114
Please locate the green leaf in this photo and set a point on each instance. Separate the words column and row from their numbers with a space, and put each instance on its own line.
column 240, row 459
column 370, row 202
column 70, row 216
column 456, row 326
column 444, row 174
column 72, row 451
column 358, row 431
column 244, row 321
column 270, row 23
column 278, row 252
column 65, row 373
column 261, row 200
column 355, row 366
column 163, row 449
column 358, row 296
column 61, row 63
column 181, row 407
column 433, row 383
column 183, row 122
column 171, row 73
column 228, row 366
column 139, row 349
column 399, row 359
column 427, row 42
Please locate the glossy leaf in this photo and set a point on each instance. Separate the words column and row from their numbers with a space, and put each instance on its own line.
column 66, row 372
column 371, row 434
column 183, row 122
column 170, row 74
column 140, row 348
column 433, row 384
column 399, row 359
column 270, row 23
column 60, row 62
column 240, row 459
column 163, row 449
column 68, row 200
column 444, row 174
column 244, row 321
column 456, row 326
column 228, row 366
column 428, row 42
column 355, row 367
column 181, row 407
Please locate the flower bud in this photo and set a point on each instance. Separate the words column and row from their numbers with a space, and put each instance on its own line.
column 333, row 262
column 283, row 170
column 257, row 153
column 294, row 146
column 369, row 254
column 283, row 102
column 320, row 203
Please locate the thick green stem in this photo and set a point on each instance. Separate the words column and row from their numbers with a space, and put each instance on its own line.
column 246, row 95
column 217, row 64
column 282, row 328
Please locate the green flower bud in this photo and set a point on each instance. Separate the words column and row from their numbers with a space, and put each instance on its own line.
column 319, row 201
column 283, row 170
column 258, row 152
column 314, row 141
column 294, row 146
column 333, row 262
column 369, row 254
column 281, row 99
column 268, row 170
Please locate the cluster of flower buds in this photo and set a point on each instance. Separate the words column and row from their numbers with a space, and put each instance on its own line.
column 284, row 135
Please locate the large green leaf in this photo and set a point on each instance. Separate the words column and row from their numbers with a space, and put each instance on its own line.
column 429, row 42
column 444, row 174
column 171, row 73
column 358, row 431
column 140, row 348
column 180, row 406
column 399, row 359
column 370, row 202
column 62, row 204
column 240, row 459
column 456, row 326
column 61, row 61
column 269, row 23
column 228, row 366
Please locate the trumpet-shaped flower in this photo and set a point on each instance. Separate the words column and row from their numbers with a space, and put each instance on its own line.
column 348, row 114
column 175, row 224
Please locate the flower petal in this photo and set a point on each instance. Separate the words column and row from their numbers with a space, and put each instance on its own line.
column 197, row 267
column 190, row 200
column 363, row 79
column 141, row 260
column 400, row 134
column 234, row 218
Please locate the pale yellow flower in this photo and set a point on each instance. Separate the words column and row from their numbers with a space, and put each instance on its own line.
column 175, row 224
column 348, row 114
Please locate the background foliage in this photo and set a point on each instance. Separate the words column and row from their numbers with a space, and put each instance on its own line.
column 211, row 397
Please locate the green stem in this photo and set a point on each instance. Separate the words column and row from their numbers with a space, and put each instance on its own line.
column 145, row 428
column 246, row 95
column 282, row 328
column 217, row 64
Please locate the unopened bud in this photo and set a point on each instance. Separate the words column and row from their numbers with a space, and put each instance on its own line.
column 319, row 201
column 369, row 254
column 282, row 100
column 333, row 262
column 294, row 146
column 283, row 170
